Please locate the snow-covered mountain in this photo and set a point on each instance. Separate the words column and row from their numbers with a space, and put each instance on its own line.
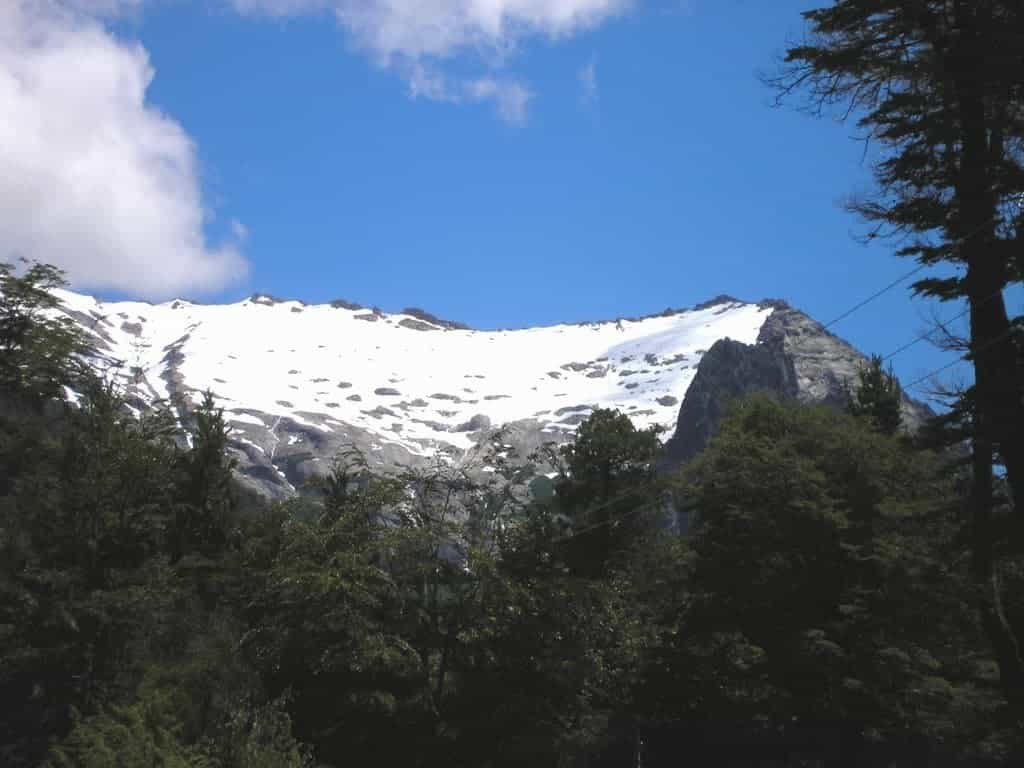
column 298, row 382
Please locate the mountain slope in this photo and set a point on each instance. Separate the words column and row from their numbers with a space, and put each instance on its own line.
column 298, row 382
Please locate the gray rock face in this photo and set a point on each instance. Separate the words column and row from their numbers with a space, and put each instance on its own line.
column 728, row 370
column 277, row 460
column 795, row 357
column 417, row 325
column 825, row 366
column 478, row 422
column 434, row 321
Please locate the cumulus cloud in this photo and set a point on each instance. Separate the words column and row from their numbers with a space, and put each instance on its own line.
column 416, row 36
column 92, row 178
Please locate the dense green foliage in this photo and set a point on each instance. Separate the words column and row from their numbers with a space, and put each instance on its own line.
column 38, row 352
column 850, row 606
column 609, row 471
column 424, row 618
column 878, row 397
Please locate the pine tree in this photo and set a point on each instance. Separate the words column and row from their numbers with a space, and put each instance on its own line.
column 939, row 86
column 878, row 397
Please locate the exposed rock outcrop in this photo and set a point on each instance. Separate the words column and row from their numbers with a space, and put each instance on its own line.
column 795, row 357
column 728, row 370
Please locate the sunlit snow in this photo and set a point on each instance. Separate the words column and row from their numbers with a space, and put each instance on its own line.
column 324, row 367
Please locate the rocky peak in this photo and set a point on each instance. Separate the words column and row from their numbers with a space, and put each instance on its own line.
column 794, row 357
column 722, row 298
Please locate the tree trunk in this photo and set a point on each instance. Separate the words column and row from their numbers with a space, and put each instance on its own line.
column 1005, row 646
column 997, row 379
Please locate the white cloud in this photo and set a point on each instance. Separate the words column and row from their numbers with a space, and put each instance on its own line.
column 415, row 36
column 417, row 28
column 588, row 82
column 92, row 178
column 510, row 98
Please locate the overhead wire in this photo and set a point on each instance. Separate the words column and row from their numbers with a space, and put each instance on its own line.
column 961, row 358
column 922, row 337
column 889, row 286
column 861, row 304
column 601, row 523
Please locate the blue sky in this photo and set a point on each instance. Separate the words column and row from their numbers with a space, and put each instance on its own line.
column 615, row 164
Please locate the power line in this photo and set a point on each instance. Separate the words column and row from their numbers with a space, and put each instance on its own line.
column 872, row 297
column 602, row 523
column 916, row 340
column 959, row 359
column 924, row 336
column 962, row 358
column 652, row 505
column 861, row 304
column 935, row 372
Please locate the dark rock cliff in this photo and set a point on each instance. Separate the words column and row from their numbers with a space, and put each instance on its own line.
column 795, row 357
column 728, row 370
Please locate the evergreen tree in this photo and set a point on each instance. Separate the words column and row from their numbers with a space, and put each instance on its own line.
column 939, row 85
column 208, row 500
column 609, row 473
column 878, row 397
column 39, row 352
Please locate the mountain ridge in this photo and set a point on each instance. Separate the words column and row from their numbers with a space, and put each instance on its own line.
column 298, row 382
column 261, row 297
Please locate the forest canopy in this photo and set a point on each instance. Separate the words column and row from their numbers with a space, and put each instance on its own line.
column 149, row 616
